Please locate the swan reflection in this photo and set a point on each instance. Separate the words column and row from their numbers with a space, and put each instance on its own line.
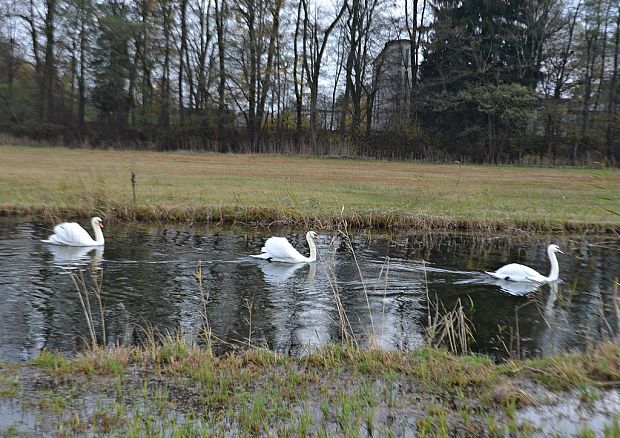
column 76, row 256
column 552, row 311
column 276, row 273
column 517, row 288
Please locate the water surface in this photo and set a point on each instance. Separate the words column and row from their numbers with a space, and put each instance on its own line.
column 150, row 283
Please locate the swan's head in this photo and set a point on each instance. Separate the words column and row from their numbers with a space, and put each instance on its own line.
column 96, row 221
column 555, row 248
column 312, row 235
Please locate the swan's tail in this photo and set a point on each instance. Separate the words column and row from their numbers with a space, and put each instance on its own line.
column 493, row 274
column 53, row 239
column 263, row 256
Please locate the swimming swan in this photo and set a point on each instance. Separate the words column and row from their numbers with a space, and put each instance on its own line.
column 517, row 272
column 278, row 249
column 72, row 234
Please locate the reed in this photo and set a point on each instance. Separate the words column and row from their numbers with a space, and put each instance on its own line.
column 84, row 292
column 450, row 329
column 346, row 331
column 207, row 334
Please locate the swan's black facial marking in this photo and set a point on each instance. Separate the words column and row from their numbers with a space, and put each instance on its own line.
column 507, row 278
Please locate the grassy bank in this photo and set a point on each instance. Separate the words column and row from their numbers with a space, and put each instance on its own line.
column 292, row 190
column 178, row 389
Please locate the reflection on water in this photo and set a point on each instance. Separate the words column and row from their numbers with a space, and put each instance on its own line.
column 75, row 256
column 516, row 288
column 150, row 281
column 282, row 272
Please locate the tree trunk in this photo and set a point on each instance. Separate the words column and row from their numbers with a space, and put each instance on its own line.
column 164, row 114
column 182, row 52
column 298, row 80
column 587, row 93
column 252, row 95
column 38, row 64
column 82, row 73
column 313, row 68
column 50, row 62
column 220, row 8
column 415, row 39
column 612, row 118
column 601, row 76
column 266, row 79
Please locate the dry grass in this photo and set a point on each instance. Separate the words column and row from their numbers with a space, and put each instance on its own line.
column 266, row 187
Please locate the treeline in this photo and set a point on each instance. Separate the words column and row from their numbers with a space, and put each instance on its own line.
column 484, row 81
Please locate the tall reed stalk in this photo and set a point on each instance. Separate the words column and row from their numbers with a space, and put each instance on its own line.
column 204, row 300
column 85, row 292
column 449, row 329
column 346, row 331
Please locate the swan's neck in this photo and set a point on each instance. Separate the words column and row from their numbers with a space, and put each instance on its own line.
column 555, row 268
column 98, row 234
column 312, row 246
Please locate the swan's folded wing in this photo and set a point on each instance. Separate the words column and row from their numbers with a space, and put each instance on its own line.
column 538, row 278
column 71, row 233
column 280, row 248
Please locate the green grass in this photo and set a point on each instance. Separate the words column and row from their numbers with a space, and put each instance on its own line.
column 203, row 186
column 169, row 389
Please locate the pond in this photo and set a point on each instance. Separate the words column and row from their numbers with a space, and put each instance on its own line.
column 385, row 284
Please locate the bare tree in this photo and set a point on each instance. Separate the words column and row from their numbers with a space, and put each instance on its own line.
column 298, row 72
column 590, row 53
column 414, row 24
column 314, row 49
column 255, row 59
column 221, row 12
column 612, row 113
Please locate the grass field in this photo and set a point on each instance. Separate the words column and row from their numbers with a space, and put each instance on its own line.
column 227, row 186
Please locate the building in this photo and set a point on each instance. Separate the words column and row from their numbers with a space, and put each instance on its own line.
column 391, row 82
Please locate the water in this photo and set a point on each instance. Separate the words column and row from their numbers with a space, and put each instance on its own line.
column 149, row 281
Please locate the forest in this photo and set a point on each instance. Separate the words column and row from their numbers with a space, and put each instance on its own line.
column 494, row 81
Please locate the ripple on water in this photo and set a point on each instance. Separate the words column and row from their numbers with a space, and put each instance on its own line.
column 150, row 271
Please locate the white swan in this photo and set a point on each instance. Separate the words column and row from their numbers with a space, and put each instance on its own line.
column 517, row 272
column 278, row 249
column 72, row 234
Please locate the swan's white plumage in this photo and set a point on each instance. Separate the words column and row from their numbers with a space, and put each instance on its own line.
column 517, row 272
column 278, row 249
column 72, row 234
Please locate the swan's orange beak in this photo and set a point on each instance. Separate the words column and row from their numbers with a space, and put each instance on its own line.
column 100, row 225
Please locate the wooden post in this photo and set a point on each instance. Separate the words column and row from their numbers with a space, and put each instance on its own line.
column 133, row 186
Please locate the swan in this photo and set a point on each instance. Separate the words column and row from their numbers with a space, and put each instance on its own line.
column 278, row 249
column 517, row 272
column 72, row 234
